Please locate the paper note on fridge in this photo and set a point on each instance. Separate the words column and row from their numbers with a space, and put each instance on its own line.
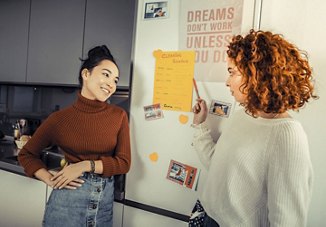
column 174, row 72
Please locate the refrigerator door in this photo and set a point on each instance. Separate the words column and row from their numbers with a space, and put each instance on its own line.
column 149, row 184
column 139, row 218
column 155, row 143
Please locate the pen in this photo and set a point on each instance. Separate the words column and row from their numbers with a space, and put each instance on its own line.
column 196, row 89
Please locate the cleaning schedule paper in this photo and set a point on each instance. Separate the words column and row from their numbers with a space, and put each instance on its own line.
column 173, row 82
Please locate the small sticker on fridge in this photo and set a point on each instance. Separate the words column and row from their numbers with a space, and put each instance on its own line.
column 153, row 157
column 183, row 119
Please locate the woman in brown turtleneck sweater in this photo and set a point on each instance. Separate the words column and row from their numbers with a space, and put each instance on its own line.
column 94, row 136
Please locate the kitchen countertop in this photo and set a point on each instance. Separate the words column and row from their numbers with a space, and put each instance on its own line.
column 52, row 158
column 8, row 158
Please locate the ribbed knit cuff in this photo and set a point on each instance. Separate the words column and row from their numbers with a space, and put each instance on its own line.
column 200, row 130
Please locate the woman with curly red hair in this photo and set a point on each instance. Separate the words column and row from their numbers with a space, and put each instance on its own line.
column 259, row 170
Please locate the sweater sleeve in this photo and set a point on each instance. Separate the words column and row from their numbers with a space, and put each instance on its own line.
column 289, row 182
column 29, row 156
column 119, row 163
column 203, row 144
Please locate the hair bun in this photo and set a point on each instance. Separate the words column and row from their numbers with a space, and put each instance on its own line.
column 99, row 51
column 94, row 57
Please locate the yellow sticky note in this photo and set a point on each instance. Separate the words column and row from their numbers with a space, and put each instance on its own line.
column 174, row 72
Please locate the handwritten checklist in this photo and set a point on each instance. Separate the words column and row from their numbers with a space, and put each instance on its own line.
column 173, row 83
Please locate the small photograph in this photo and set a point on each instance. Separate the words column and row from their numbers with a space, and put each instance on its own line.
column 177, row 172
column 156, row 10
column 153, row 112
column 220, row 108
column 182, row 174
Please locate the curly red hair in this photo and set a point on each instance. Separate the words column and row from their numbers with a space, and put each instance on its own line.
column 277, row 76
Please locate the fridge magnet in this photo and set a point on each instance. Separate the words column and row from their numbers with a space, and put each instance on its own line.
column 153, row 112
column 220, row 108
column 155, row 10
column 183, row 174
column 183, row 119
column 153, row 157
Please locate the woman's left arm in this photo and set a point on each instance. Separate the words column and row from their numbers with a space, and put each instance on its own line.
column 289, row 181
column 119, row 163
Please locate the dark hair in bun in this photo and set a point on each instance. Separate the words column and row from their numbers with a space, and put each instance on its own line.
column 94, row 57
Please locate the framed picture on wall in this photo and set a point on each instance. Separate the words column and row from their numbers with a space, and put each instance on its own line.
column 155, row 10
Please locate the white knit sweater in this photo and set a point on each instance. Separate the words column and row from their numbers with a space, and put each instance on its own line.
column 259, row 172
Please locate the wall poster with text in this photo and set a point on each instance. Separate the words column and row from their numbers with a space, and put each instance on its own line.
column 206, row 27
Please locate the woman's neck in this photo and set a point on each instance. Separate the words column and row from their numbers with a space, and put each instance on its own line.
column 273, row 115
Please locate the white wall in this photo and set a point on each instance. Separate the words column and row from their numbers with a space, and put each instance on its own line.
column 303, row 23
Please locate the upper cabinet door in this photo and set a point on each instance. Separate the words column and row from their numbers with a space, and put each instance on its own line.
column 14, row 19
column 111, row 23
column 55, row 41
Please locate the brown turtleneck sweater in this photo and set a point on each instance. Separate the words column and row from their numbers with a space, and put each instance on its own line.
column 87, row 130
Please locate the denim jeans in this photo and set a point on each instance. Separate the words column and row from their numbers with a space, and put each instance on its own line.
column 209, row 222
column 89, row 205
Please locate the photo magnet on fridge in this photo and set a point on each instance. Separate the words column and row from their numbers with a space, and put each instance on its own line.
column 153, row 112
column 183, row 174
column 220, row 108
column 155, row 9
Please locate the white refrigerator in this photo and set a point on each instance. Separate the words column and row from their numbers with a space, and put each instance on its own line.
column 151, row 198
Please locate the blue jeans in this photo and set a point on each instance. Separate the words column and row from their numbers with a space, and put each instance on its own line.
column 209, row 222
column 89, row 205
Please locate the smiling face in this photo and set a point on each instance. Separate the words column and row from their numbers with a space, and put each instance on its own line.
column 234, row 81
column 100, row 82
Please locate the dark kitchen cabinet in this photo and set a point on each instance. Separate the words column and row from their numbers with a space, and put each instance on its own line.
column 14, row 22
column 42, row 41
column 111, row 23
column 55, row 41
